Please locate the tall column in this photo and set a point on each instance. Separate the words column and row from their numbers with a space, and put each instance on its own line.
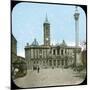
column 76, row 17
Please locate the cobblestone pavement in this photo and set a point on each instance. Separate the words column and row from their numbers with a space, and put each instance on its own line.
column 49, row 77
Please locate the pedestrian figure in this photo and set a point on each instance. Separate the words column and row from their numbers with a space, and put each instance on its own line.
column 38, row 69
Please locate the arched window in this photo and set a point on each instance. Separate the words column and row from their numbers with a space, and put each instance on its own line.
column 57, row 51
column 54, row 52
column 40, row 51
column 58, row 62
column 54, row 62
column 34, row 62
column 65, row 51
column 62, row 52
column 50, row 62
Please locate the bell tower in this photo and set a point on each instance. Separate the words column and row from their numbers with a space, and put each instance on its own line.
column 46, row 27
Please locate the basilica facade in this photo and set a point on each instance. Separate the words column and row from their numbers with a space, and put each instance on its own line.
column 47, row 55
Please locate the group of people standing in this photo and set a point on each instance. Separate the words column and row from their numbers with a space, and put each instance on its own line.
column 36, row 68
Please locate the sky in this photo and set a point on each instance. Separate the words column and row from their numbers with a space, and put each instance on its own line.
column 28, row 19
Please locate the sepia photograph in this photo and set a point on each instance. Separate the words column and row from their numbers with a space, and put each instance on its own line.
column 48, row 44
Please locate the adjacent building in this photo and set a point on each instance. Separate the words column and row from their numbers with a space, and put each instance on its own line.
column 19, row 67
column 13, row 48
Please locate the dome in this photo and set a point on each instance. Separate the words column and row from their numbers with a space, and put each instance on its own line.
column 63, row 43
column 35, row 43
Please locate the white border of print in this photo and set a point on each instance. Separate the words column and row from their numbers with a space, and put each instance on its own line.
column 5, row 44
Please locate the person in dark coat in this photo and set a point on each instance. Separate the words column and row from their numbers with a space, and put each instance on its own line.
column 38, row 69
